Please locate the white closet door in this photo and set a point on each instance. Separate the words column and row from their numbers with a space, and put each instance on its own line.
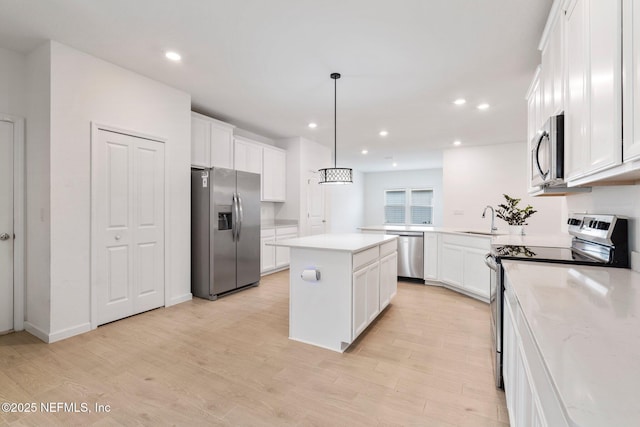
column 6, row 226
column 315, row 206
column 129, row 214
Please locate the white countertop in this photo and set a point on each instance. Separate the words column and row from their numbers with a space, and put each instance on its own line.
column 586, row 324
column 560, row 240
column 348, row 242
column 279, row 223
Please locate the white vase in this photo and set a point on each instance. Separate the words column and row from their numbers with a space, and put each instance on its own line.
column 516, row 229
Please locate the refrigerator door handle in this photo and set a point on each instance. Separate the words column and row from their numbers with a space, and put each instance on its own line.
column 234, row 221
column 241, row 217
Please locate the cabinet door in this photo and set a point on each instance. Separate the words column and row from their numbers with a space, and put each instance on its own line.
column 388, row 279
column 605, row 76
column 247, row 156
column 267, row 254
column 359, row 302
column 476, row 275
column 452, row 261
column 273, row 175
column 282, row 253
column 373, row 291
column 430, row 256
column 631, row 63
column 200, row 147
column 576, row 100
column 221, row 146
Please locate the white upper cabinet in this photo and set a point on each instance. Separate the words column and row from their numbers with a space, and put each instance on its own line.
column 274, row 165
column 631, row 94
column 270, row 162
column 247, row 156
column 593, row 94
column 211, row 142
column 552, row 81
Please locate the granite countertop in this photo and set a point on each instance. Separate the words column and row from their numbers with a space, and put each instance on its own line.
column 348, row 242
column 585, row 322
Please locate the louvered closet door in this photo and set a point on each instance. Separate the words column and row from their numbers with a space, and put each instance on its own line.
column 129, row 214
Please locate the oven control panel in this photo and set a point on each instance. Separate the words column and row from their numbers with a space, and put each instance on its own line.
column 592, row 227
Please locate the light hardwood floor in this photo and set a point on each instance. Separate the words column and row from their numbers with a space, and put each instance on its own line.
column 424, row 362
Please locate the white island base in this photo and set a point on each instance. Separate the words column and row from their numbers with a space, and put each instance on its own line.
column 357, row 280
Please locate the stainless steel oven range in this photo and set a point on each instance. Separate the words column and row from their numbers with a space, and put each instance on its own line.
column 598, row 240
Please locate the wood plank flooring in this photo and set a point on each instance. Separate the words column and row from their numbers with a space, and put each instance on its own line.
column 426, row 361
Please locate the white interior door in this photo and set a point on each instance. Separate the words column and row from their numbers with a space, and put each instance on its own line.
column 316, row 222
column 6, row 226
column 128, row 241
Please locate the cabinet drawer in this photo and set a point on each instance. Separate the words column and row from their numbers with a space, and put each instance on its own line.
column 365, row 257
column 286, row 230
column 267, row 232
column 387, row 248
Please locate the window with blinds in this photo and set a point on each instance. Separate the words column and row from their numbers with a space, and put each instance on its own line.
column 394, row 206
column 421, row 207
column 408, row 206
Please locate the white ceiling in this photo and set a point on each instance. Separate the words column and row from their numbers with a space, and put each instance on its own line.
column 264, row 65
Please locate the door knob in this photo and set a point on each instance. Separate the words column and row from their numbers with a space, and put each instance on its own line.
column 4, row 236
column 118, row 237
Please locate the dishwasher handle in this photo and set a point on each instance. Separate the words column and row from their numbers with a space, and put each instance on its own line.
column 405, row 233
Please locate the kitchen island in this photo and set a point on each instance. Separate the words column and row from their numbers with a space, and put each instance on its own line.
column 339, row 283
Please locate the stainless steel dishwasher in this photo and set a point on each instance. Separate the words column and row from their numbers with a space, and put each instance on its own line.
column 410, row 253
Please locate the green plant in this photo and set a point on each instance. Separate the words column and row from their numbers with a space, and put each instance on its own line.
column 512, row 214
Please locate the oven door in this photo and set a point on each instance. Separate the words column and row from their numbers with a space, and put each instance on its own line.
column 495, row 302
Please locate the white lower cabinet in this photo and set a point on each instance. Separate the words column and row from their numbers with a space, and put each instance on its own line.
column 462, row 264
column 388, row 279
column 267, row 252
column 274, row 258
column 531, row 398
column 431, row 249
column 366, row 294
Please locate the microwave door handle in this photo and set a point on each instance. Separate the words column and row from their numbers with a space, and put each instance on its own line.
column 539, row 143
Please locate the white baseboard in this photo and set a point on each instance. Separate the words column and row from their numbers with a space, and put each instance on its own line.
column 59, row 335
column 180, row 299
column 36, row 332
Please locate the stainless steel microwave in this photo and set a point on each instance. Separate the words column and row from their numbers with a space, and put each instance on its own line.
column 547, row 154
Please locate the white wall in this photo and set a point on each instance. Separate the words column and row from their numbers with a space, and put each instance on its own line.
column 38, row 215
column 13, row 68
column 377, row 182
column 347, row 205
column 85, row 89
column 618, row 200
column 474, row 177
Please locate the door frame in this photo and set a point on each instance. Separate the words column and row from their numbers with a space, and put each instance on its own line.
column 95, row 129
column 18, row 219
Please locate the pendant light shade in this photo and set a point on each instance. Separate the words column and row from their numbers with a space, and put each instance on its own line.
column 335, row 175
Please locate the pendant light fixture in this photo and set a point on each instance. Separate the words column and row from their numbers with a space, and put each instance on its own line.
column 335, row 175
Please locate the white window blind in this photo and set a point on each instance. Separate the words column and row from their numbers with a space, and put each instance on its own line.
column 421, row 207
column 394, row 206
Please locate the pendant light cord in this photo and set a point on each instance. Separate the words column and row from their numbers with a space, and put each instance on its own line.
column 335, row 123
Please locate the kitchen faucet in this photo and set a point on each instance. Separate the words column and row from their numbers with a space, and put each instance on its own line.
column 493, row 217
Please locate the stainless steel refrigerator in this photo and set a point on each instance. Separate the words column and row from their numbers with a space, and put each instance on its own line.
column 225, row 231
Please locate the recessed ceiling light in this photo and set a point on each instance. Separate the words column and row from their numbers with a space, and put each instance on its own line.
column 395, row 164
column 174, row 56
column 483, row 106
column 460, row 101
column 312, row 125
column 457, row 142
column 384, row 133
column 364, row 151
